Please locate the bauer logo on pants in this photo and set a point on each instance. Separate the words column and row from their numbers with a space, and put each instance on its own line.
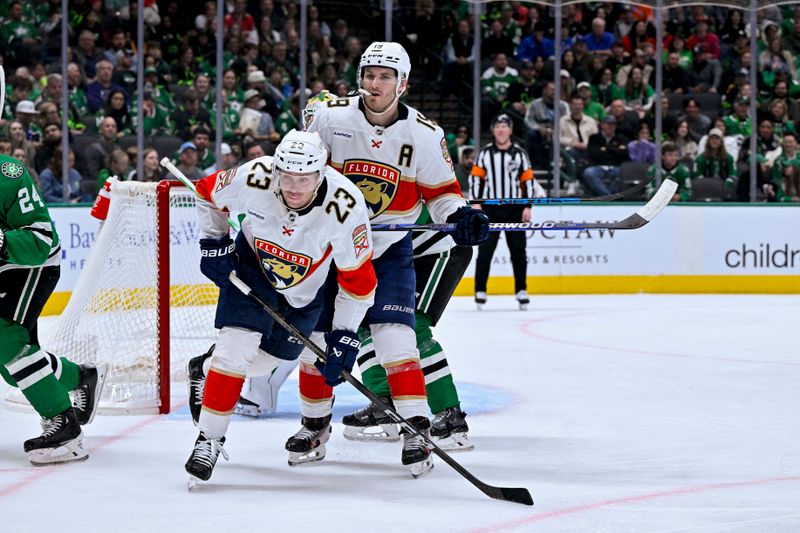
column 376, row 181
column 284, row 268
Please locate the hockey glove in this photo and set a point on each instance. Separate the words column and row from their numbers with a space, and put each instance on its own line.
column 340, row 355
column 472, row 226
column 217, row 259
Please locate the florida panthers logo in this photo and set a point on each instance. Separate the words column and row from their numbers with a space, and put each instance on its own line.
column 283, row 268
column 376, row 181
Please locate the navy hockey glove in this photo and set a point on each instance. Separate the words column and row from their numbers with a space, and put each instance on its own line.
column 217, row 259
column 472, row 226
column 341, row 355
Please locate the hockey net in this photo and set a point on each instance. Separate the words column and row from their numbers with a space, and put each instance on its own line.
column 141, row 303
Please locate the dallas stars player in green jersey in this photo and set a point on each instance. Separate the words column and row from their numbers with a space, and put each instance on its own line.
column 29, row 270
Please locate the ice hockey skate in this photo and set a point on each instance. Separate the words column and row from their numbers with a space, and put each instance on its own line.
column 86, row 397
column 449, row 430
column 308, row 444
column 201, row 463
column 416, row 453
column 480, row 300
column 196, row 380
column 61, row 441
column 245, row 407
column 523, row 300
column 370, row 423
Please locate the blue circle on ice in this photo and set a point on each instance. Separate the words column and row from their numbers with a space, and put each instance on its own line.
column 475, row 399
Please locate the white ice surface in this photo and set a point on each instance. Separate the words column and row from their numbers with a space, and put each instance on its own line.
column 620, row 414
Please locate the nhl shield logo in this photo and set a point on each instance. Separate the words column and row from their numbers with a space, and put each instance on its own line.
column 283, row 268
column 376, row 181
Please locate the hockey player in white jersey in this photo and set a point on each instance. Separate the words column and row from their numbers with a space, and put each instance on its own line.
column 399, row 161
column 299, row 216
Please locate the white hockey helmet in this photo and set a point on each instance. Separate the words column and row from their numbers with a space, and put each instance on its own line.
column 386, row 54
column 301, row 152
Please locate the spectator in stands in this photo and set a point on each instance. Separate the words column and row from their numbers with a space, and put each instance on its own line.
column 21, row 88
column 243, row 20
column 51, row 181
column 458, row 139
column 672, row 168
column 151, row 167
column 780, row 121
column 703, row 37
column 716, row 162
column 19, row 153
column 277, row 91
column 228, row 159
column 184, row 69
column 253, row 150
column 638, row 95
column 231, row 92
column 458, row 58
column 607, row 151
column 254, row 123
column 618, row 58
column 575, row 131
column 50, row 142
column 339, row 35
column 590, row 107
column 97, row 92
column 52, row 90
column 686, row 145
column 116, row 108
column 26, row 114
column 190, row 116
column 156, row 117
column 495, row 83
column 201, row 139
column 624, row 23
column 642, row 149
column 677, row 45
column 699, row 124
column 791, row 36
column 599, row 40
column 775, row 59
column 733, row 89
column 669, row 117
column 540, row 120
column 5, row 146
column 521, row 93
column 675, row 79
column 118, row 164
column 464, row 168
column 767, row 147
column 785, row 185
column 705, row 74
column 643, row 32
column 17, row 134
column 627, row 121
column 280, row 60
column 576, row 71
column 732, row 141
column 18, row 36
column 118, row 46
column 497, row 42
column 187, row 154
column 734, row 26
column 781, row 92
column 97, row 153
column 603, row 87
column 536, row 45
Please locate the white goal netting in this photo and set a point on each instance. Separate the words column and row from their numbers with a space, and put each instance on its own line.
column 113, row 314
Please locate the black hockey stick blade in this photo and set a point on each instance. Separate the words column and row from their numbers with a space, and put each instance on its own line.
column 566, row 200
column 515, row 495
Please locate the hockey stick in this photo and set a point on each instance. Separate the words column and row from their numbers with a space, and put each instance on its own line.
column 516, row 495
column 638, row 219
column 2, row 89
column 166, row 163
column 557, row 201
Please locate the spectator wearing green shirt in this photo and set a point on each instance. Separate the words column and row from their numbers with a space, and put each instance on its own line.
column 781, row 124
column 715, row 161
column 155, row 116
column 785, row 186
column 495, row 83
column 673, row 169
column 590, row 107
column 18, row 36
column 739, row 123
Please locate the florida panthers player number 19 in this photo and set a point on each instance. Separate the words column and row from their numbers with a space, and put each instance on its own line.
column 298, row 217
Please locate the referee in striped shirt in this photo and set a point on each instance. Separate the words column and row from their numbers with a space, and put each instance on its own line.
column 503, row 170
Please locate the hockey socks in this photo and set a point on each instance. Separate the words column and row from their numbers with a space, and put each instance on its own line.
column 439, row 384
column 316, row 397
column 32, row 372
column 221, row 392
column 407, row 385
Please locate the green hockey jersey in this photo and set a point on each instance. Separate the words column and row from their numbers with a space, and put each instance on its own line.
column 30, row 236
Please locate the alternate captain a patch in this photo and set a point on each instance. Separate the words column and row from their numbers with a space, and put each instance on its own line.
column 376, row 181
column 283, row 268
column 11, row 170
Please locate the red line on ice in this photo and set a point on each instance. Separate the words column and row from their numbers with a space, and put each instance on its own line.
column 629, row 499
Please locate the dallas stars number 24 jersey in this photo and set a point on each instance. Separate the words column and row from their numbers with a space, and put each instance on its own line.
column 396, row 167
column 30, row 237
column 295, row 248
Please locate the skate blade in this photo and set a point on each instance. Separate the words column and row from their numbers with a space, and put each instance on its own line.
column 421, row 468
column 523, row 307
column 456, row 442
column 67, row 453
column 193, row 483
column 479, row 306
column 382, row 433
column 301, row 458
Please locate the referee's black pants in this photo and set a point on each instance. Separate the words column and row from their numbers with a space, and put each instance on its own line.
column 516, row 245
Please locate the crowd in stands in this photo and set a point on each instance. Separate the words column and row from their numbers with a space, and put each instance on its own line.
column 606, row 114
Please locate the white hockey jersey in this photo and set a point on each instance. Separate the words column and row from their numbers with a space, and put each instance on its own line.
column 295, row 248
column 396, row 168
